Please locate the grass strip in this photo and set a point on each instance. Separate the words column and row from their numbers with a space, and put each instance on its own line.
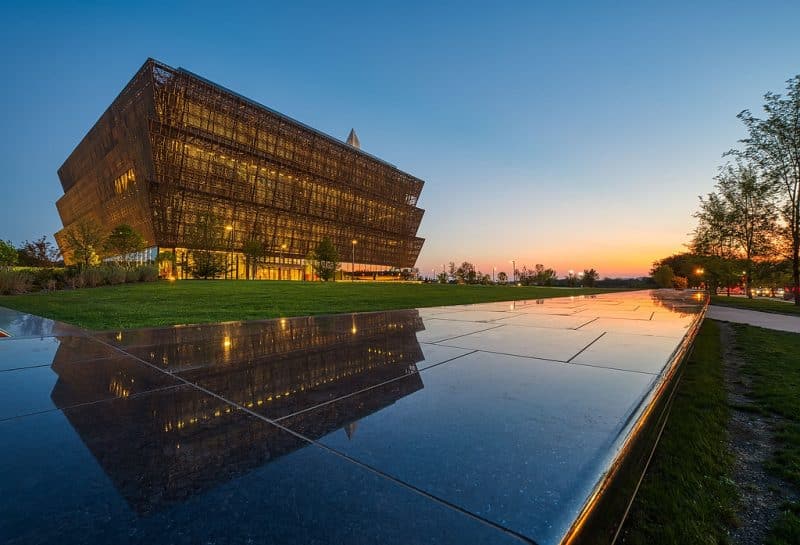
column 202, row 301
column 687, row 495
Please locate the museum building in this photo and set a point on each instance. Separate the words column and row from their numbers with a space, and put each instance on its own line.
column 176, row 155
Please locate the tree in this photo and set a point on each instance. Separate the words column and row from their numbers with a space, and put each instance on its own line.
column 254, row 250
column 590, row 276
column 663, row 276
column 466, row 273
column 205, row 238
column 84, row 242
column 738, row 220
column 8, row 254
column 123, row 241
column 502, row 277
column 544, row 277
column 571, row 279
column 442, row 277
column 39, row 253
column 325, row 259
column 773, row 144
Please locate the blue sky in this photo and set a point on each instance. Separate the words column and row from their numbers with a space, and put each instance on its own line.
column 565, row 133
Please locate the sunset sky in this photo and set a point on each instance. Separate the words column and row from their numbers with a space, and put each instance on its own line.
column 570, row 134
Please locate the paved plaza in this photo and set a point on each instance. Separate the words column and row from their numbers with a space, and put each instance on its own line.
column 491, row 423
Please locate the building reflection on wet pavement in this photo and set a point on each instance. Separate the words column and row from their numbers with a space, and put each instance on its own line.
column 471, row 424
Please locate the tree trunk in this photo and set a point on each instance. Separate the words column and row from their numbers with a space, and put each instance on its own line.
column 796, row 269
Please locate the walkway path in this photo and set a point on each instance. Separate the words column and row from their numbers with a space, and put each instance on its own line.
column 767, row 320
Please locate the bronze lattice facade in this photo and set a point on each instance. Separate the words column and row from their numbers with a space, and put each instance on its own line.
column 174, row 147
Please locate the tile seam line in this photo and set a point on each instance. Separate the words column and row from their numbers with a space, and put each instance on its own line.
column 395, row 480
column 587, row 323
column 463, row 334
column 423, row 493
column 500, row 353
column 582, row 350
column 595, row 366
column 36, row 366
column 368, row 388
column 88, row 403
column 76, row 362
column 598, row 366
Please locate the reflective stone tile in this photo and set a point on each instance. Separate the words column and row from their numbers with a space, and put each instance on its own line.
column 65, row 383
column 515, row 440
column 676, row 328
column 553, row 344
column 640, row 314
column 19, row 324
column 276, row 387
column 643, row 353
column 475, row 315
column 16, row 353
column 301, row 329
column 162, row 468
column 184, row 348
column 438, row 330
column 548, row 320
column 30, row 352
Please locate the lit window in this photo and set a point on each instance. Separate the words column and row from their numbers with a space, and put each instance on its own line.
column 121, row 183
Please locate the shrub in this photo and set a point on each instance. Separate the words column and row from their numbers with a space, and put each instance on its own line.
column 48, row 278
column 147, row 273
column 132, row 274
column 12, row 282
column 93, row 277
column 75, row 280
column 116, row 275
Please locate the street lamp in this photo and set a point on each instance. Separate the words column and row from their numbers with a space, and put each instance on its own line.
column 699, row 274
column 353, row 263
column 280, row 261
column 228, row 260
column 514, row 270
column 494, row 269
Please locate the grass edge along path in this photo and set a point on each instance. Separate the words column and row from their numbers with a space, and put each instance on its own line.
column 761, row 305
column 687, row 495
column 202, row 301
column 772, row 361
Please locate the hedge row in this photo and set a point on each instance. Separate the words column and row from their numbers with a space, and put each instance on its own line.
column 16, row 281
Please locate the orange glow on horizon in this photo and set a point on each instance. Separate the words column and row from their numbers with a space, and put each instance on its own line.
column 610, row 261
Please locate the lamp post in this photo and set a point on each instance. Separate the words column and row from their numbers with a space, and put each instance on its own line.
column 699, row 273
column 280, row 261
column 229, row 229
column 353, row 262
column 494, row 269
column 514, row 269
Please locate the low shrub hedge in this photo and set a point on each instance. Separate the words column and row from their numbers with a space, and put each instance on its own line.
column 23, row 280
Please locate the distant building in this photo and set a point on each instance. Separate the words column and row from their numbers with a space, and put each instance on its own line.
column 174, row 149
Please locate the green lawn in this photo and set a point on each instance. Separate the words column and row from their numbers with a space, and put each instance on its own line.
column 199, row 301
column 773, row 361
column 686, row 495
column 764, row 305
